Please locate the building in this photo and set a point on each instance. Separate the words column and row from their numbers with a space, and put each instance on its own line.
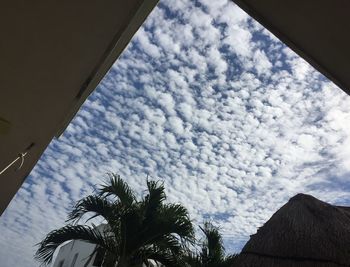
column 305, row 232
column 53, row 55
column 76, row 253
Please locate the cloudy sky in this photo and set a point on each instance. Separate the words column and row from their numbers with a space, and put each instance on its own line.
column 207, row 100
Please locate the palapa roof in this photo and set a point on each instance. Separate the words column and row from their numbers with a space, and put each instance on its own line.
column 305, row 232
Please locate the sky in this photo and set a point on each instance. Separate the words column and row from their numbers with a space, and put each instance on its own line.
column 207, row 100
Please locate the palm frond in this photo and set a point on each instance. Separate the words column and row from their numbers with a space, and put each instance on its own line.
column 137, row 230
column 213, row 248
column 154, row 198
column 170, row 220
column 169, row 242
column 57, row 237
column 229, row 260
column 166, row 259
column 95, row 204
column 118, row 188
column 174, row 218
column 161, row 256
column 192, row 260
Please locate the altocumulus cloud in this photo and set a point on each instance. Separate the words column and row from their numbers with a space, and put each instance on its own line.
column 207, row 100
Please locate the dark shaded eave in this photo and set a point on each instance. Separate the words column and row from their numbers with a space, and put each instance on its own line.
column 53, row 55
column 316, row 30
column 114, row 50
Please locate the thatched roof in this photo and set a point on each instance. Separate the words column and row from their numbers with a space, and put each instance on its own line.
column 305, row 232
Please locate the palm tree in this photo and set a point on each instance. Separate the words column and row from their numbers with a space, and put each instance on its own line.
column 136, row 232
column 212, row 251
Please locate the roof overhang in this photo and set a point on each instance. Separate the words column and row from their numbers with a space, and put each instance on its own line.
column 53, row 55
column 316, row 30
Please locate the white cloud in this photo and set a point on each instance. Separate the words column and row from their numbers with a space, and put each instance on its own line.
column 262, row 63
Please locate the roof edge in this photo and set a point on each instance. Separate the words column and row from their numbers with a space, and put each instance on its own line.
column 311, row 60
column 294, row 259
column 112, row 53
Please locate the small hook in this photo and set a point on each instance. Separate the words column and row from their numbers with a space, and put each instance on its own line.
column 21, row 156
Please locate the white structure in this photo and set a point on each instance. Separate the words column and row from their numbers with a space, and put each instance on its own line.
column 76, row 254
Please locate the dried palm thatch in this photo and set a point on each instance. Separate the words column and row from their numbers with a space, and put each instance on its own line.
column 305, row 232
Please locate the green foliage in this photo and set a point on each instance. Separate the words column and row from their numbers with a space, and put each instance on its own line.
column 136, row 231
column 71, row 232
column 119, row 189
column 211, row 250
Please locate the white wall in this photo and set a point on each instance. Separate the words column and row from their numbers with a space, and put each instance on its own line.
column 67, row 252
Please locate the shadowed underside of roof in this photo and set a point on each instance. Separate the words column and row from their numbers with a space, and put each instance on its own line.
column 53, row 55
column 317, row 30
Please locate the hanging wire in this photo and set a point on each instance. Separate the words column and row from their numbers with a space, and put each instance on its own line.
column 21, row 157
